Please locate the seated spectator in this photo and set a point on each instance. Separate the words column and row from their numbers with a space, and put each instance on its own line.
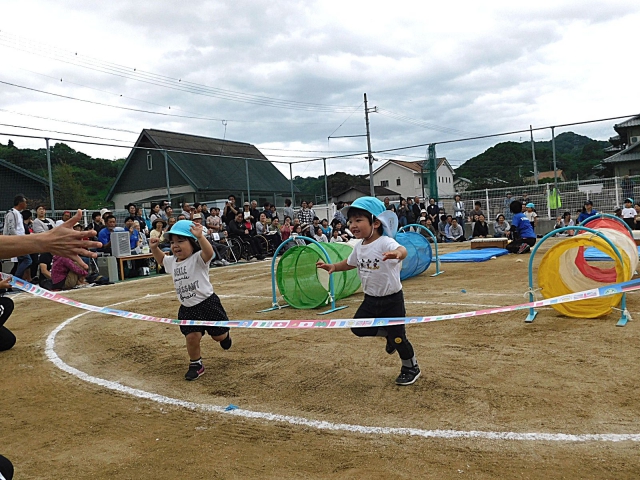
column 481, row 228
column 336, row 237
column 66, row 274
column 262, row 226
column 326, row 228
column 565, row 221
column 339, row 216
column 186, row 211
column 266, row 209
column 96, row 223
column 158, row 232
column 443, row 226
column 297, row 232
column 168, row 212
column 587, row 211
column 286, row 229
column 44, row 270
column 426, row 223
column 66, row 215
column 344, row 233
column 501, row 227
column 455, row 232
column 319, row 236
column 617, row 211
column 104, row 236
column 238, row 228
column 42, row 224
column 134, row 235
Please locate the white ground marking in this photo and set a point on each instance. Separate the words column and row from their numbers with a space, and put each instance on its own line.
column 319, row 424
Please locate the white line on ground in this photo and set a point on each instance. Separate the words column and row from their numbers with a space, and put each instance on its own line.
column 319, row 424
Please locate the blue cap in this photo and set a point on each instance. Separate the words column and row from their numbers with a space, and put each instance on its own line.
column 369, row 204
column 375, row 207
column 182, row 228
column 530, row 205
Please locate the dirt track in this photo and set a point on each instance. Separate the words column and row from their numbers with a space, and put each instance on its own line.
column 492, row 373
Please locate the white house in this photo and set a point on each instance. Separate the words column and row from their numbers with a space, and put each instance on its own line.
column 406, row 178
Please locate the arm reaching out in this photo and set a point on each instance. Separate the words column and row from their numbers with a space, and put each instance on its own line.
column 399, row 253
column 63, row 241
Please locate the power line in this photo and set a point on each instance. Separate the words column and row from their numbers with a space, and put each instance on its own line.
column 65, row 133
column 94, row 64
column 420, row 123
column 67, row 121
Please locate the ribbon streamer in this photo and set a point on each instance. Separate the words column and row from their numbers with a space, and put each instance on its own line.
column 614, row 289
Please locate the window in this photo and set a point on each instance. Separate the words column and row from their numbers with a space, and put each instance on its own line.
column 398, row 183
column 419, row 181
column 149, row 161
column 384, row 183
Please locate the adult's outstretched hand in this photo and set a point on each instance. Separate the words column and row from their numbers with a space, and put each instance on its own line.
column 62, row 240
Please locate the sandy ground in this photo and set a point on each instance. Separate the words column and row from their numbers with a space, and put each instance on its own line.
column 491, row 374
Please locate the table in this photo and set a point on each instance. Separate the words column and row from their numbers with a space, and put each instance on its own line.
column 121, row 261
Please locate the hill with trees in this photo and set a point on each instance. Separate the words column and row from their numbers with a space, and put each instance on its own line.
column 83, row 180
column 511, row 162
column 312, row 188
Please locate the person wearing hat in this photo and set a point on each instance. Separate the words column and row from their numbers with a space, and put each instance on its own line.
column 521, row 232
column 189, row 268
column 378, row 258
column 531, row 214
column 587, row 211
column 628, row 212
column 157, row 229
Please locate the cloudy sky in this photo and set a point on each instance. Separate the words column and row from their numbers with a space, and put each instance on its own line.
column 286, row 75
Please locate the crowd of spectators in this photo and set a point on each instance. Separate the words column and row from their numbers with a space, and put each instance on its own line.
column 248, row 222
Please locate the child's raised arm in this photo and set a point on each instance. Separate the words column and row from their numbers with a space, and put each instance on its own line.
column 207, row 250
column 155, row 249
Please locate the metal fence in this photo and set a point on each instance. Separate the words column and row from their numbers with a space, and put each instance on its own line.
column 605, row 193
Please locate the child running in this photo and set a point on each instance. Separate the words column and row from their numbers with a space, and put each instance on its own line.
column 378, row 259
column 189, row 267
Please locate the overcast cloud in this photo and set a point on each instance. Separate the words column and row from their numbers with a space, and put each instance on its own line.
column 452, row 70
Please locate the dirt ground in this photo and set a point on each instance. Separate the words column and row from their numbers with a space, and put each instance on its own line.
column 492, row 374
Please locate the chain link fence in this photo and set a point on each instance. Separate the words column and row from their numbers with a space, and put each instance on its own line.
column 605, row 193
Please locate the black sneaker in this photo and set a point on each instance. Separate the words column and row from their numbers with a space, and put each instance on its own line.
column 408, row 375
column 226, row 343
column 194, row 372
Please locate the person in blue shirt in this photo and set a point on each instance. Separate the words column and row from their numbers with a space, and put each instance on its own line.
column 587, row 211
column 523, row 237
column 134, row 236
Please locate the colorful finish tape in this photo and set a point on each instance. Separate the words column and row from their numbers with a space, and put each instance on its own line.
column 615, row 289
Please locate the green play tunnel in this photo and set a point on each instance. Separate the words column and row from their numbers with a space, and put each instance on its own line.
column 305, row 286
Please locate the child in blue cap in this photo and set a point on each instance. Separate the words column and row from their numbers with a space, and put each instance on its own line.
column 189, row 267
column 378, row 259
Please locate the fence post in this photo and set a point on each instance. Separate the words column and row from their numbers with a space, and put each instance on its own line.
column 548, row 205
column 51, row 192
column 166, row 176
column 617, row 194
column 486, row 192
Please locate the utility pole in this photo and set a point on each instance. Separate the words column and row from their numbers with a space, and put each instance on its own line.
column 555, row 167
column 533, row 154
column 369, row 156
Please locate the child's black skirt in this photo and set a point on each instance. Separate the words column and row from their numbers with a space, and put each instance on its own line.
column 208, row 310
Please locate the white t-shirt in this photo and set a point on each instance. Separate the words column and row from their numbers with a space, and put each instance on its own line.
column 190, row 278
column 531, row 216
column 628, row 212
column 378, row 278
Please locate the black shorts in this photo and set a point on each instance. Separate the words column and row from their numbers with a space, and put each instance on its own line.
column 389, row 306
column 208, row 310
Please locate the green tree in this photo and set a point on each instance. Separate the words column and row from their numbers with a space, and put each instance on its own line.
column 71, row 194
